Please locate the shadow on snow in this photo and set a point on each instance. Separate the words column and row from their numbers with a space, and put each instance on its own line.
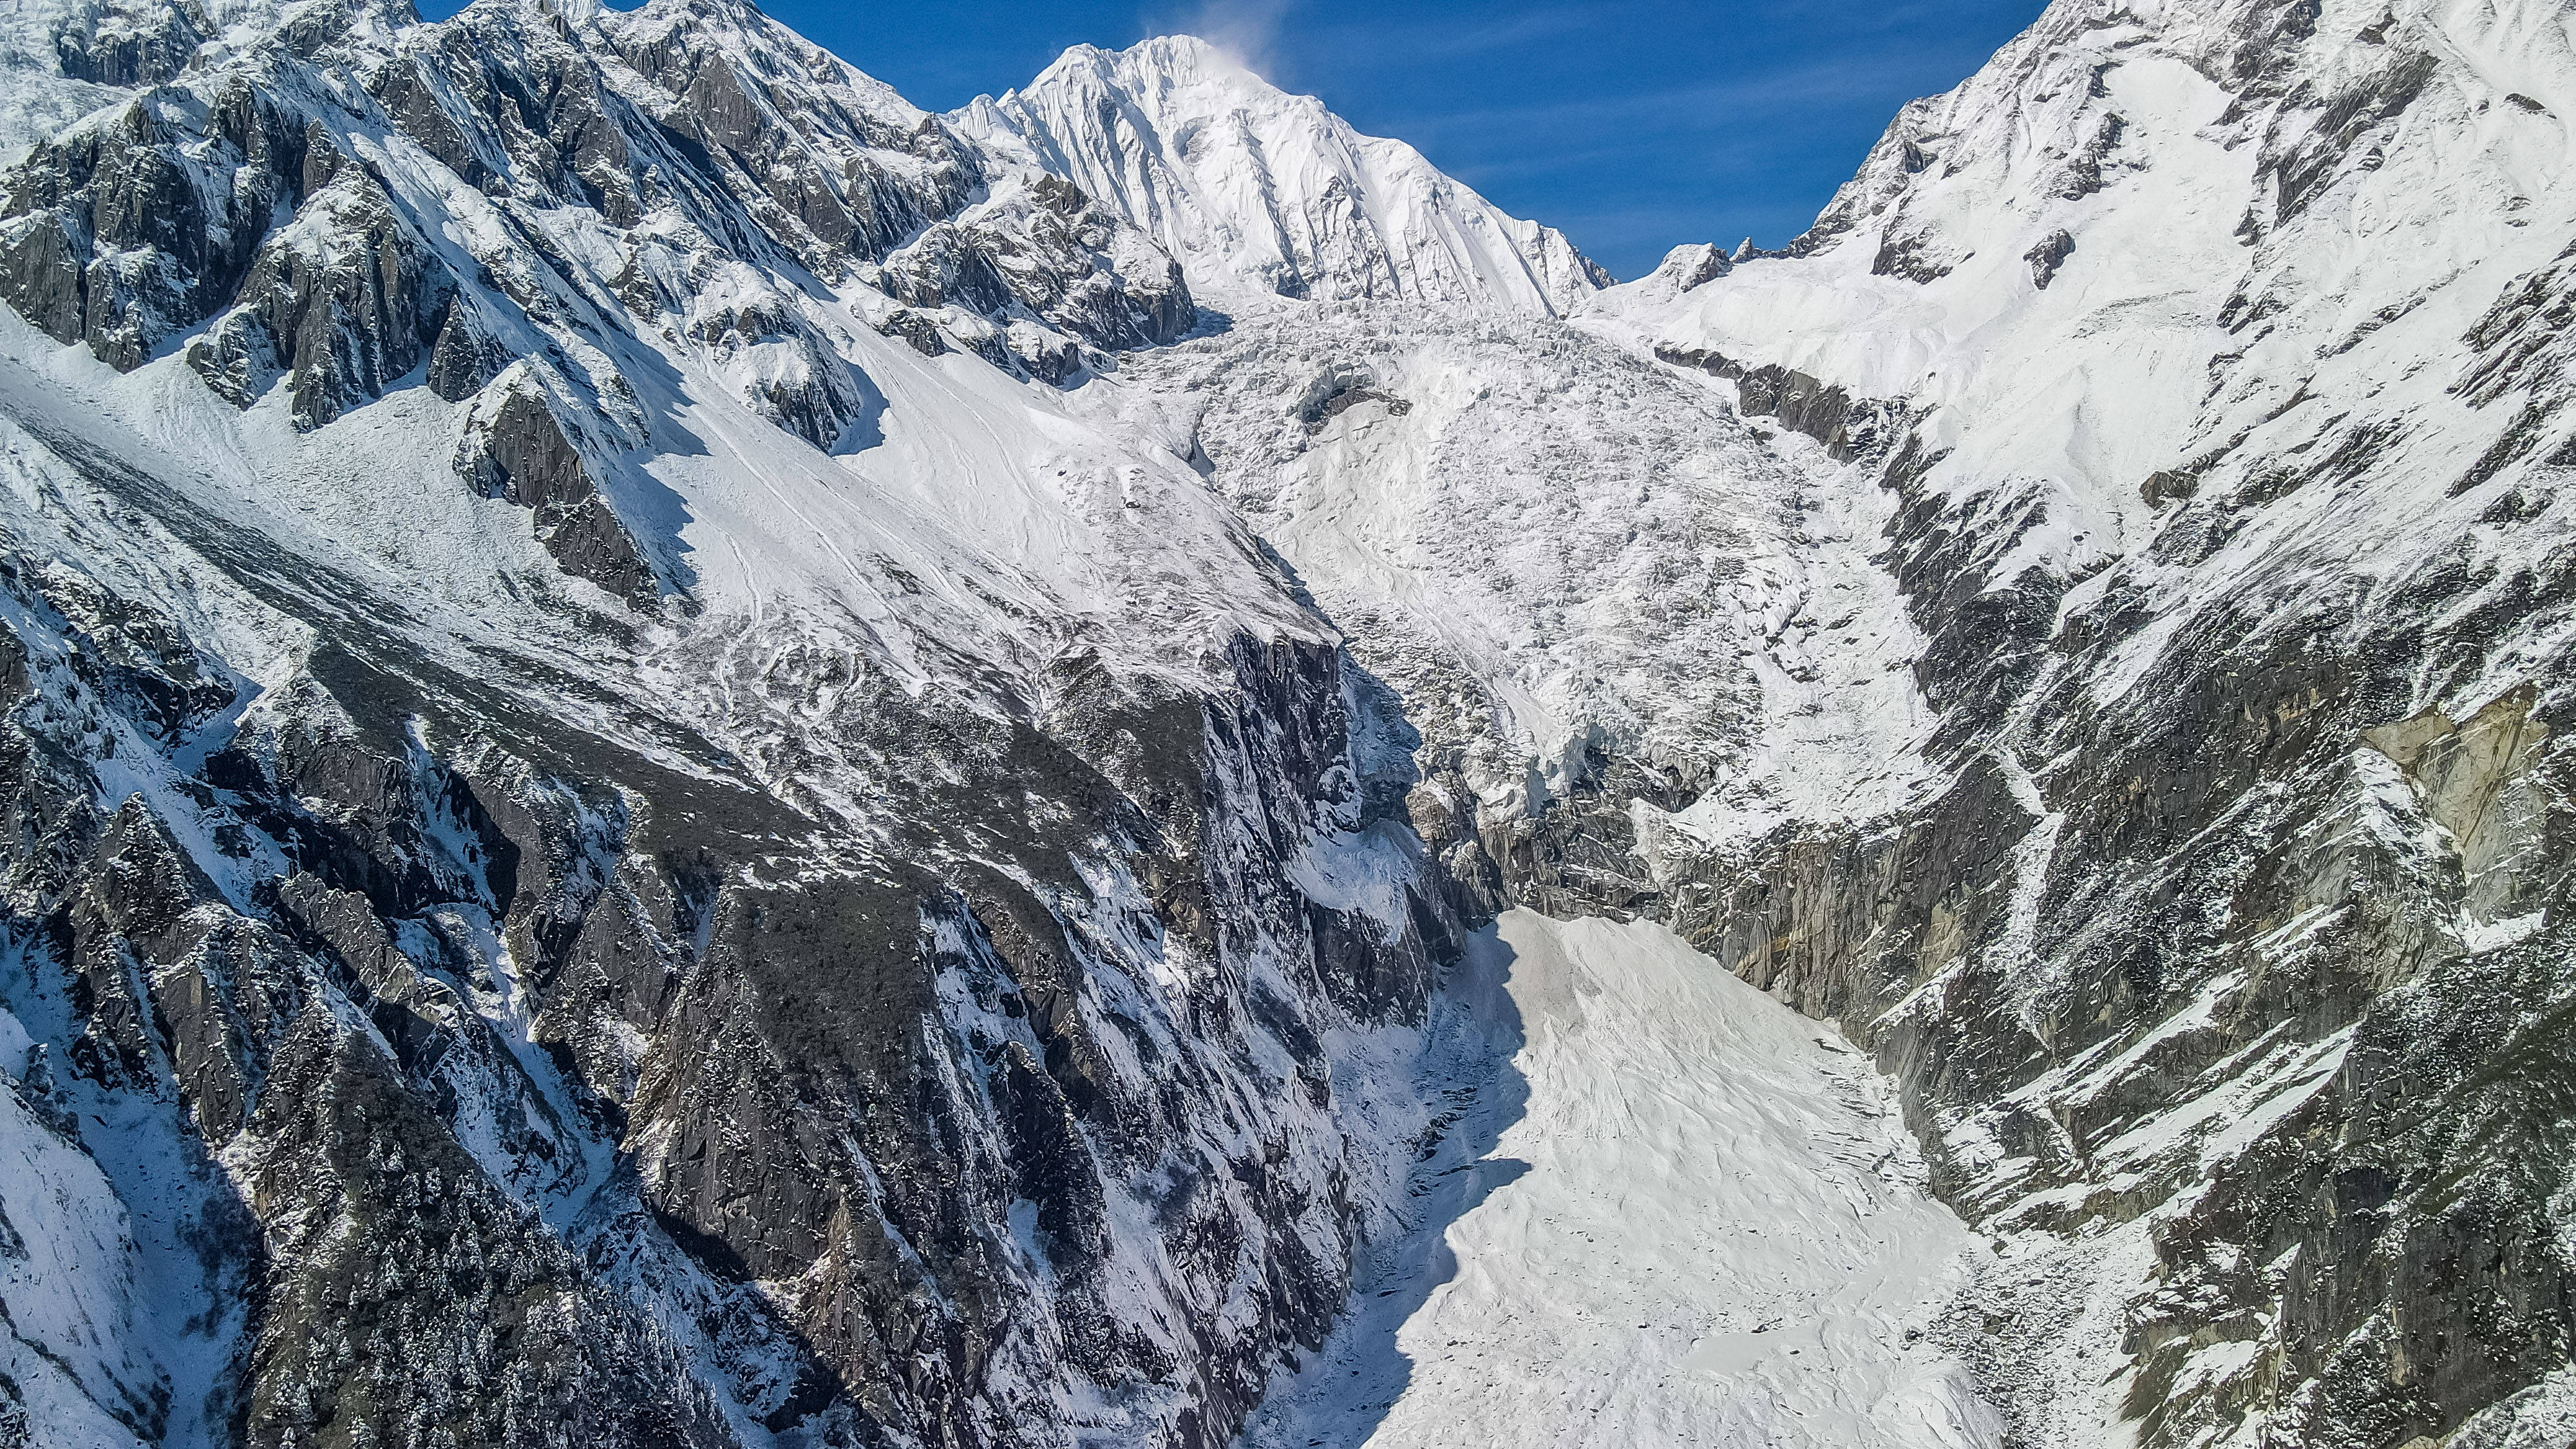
column 1340, row 1397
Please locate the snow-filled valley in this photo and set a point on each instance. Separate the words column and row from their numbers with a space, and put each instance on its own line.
column 1660, row 1208
column 693, row 759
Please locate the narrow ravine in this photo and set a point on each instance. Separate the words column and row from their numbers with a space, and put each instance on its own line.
column 1669, row 1211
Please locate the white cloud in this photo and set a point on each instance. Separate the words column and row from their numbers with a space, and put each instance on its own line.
column 1247, row 30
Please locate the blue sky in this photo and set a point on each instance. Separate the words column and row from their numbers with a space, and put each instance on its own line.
column 1633, row 125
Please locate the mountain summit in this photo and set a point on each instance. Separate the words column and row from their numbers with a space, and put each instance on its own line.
column 1259, row 191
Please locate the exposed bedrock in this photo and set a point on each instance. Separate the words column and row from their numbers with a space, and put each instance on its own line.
column 613, row 831
column 368, row 205
column 517, row 446
column 561, row 1083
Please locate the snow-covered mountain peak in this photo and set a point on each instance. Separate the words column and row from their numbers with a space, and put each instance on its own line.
column 672, row 732
column 742, row 32
column 1262, row 193
column 62, row 59
column 2204, row 203
column 2213, row 358
column 1176, row 59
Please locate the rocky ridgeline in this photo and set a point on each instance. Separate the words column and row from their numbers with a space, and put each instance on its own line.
column 544, row 1073
column 365, row 196
column 2196, row 379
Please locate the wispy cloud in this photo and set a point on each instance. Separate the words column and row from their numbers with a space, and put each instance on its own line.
column 1248, row 30
column 1506, row 26
column 1700, row 105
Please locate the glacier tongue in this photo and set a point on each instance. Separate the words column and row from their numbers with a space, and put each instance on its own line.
column 1675, row 1212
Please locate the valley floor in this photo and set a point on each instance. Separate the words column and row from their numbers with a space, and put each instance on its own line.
column 1666, row 1210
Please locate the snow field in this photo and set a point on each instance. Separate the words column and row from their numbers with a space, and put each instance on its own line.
column 1669, row 1211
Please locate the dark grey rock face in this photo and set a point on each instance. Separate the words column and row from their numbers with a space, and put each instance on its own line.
column 1916, row 258
column 848, row 1152
column 2402, row 1209
column 405, row 1251
column 1048, row 256
column 520, row 449
column 143, row 223
column 296, row 209
column 299, row 1043
column 2048, row 256
column 129, row 45
column 784, row 129
column 845, row 181
column 344, row 319
column 1848, row 427
column 2216, row 927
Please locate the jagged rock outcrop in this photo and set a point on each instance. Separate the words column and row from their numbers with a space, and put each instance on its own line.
column 518, row 447
column 127, row 230
column 600, row 793
column 362, row 199
column 1010, row 253
column 344, row 306
column 571, row 1080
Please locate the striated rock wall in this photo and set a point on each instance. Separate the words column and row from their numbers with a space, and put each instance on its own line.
column 1015, row 1121
column 876, row 996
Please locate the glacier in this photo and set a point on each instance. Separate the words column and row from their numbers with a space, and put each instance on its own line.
column 694, row 758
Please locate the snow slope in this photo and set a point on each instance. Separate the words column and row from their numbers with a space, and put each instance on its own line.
column 2144, row 234
column 1262, row 193
column 1702, row 1223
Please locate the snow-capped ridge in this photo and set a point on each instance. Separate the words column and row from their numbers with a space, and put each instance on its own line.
column 613, row 530
column 1261, row 193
